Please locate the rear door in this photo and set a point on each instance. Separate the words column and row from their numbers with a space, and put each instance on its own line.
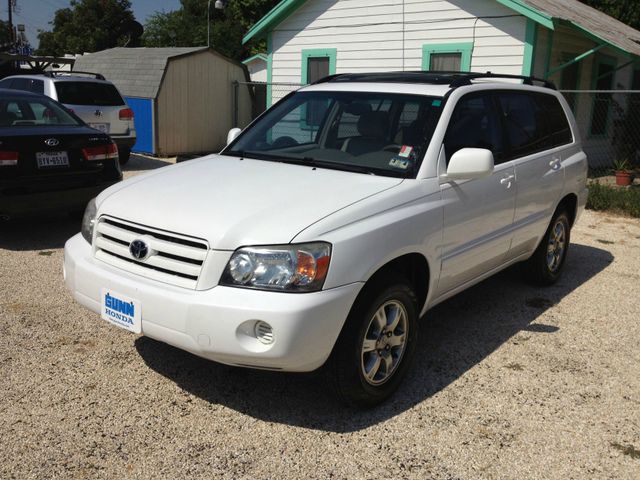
column 97, row 103
column 536, row 128
column 478, row 214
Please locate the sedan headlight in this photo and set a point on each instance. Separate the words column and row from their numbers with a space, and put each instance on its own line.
column 89, row 220
column 285, row 268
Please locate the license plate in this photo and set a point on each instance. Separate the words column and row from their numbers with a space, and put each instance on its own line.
column 52, row 159
column 122, row 311
column 103, row 127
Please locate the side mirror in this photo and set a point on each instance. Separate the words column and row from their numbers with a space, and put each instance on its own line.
column 470, row 163
column 233, row 134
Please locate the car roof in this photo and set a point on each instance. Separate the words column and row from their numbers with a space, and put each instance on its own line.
column 20, row 93
column 425, row 82
column 61, row 78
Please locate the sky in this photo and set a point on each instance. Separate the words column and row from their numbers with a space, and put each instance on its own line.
column 35, row 14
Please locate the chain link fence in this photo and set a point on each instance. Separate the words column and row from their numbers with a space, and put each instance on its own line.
column 608, row 121
column 609, row 124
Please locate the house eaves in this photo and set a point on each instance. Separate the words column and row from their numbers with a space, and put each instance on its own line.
column 600, row 27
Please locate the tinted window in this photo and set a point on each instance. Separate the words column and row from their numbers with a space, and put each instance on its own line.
column 37, row 86
column 557, row 125
column 524, row 121
column 533, row 123
column 475, row 124
column 21, row 84
column 88, row 93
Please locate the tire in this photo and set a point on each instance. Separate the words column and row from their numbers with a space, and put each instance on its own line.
column 123, row 155
column 546, row 265
column 367, row 365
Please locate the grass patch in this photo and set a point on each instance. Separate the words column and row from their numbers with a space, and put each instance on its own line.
column 614, row 199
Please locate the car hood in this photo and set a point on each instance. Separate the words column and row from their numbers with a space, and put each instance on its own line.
column 232, row 202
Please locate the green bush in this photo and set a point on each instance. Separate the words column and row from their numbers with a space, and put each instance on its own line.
column 614, row 199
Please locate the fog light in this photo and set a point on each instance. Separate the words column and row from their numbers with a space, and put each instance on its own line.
column 264, row 332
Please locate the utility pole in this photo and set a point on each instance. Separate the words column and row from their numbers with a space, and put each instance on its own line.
column 11, row 35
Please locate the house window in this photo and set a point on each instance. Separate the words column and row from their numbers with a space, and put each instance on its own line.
column 316, row 64
column 448, row 57
column 605, row 72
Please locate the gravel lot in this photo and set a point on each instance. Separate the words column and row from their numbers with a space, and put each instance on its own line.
column 510, row 382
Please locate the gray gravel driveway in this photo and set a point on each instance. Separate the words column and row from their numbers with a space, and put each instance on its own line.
column 509, row 382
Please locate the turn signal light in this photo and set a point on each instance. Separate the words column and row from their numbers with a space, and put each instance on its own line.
column 8, row 159
column 103, row 152
column 126, row 114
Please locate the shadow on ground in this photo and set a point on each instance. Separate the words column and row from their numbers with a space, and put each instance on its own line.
column 38, row 232
column 454, row 337
column 142, row 163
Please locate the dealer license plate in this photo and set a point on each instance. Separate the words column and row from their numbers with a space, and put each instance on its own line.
column 122, row 311
column 103, row 127
column 52, row 159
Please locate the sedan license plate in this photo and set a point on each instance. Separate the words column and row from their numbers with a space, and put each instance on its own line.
column 103, row 127
column 122, row 311
column 52, row 159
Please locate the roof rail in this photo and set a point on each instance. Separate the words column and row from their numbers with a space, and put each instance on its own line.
column 467, row 79
column 53, row 73
column 453, row 79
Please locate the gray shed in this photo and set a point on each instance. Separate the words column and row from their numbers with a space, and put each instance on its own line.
column 182, row 98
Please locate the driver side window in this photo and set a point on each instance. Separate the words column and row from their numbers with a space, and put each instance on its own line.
column 475, row 124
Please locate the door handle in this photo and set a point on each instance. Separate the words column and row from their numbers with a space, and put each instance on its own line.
column 555, row 164
column 507, row 180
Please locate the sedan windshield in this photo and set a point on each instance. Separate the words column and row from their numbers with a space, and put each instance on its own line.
column 376, row 133
column 25, row 111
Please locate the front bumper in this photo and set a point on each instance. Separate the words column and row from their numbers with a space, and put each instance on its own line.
column 218, row 323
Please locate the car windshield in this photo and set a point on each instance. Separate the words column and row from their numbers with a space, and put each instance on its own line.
column 25, row 111
column 88, row 93
column 374, row 133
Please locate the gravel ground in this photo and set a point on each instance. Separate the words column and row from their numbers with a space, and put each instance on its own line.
column 510, row 382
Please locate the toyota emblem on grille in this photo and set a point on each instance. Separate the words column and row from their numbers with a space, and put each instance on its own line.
column 98, row 113
column 138, row 249
column 52, row 142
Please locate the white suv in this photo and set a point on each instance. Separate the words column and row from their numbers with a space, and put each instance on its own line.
column 92, row 98
column 326, row 229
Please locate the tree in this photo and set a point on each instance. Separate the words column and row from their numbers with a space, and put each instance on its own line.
column 627, row 11
column 87, row 26
column 187, row 26
column 5, row 33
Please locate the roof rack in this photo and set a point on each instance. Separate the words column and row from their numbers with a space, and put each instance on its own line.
column 53, row 73
column 453, row 79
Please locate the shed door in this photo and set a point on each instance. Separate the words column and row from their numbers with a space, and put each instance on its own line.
column 143, row 121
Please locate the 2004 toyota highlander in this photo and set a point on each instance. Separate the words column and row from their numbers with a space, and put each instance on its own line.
column 324, row 230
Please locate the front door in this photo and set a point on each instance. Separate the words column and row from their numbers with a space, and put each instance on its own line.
column 478, row 214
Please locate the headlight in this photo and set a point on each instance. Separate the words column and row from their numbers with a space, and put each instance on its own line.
column 285, row 268
column 89, row 220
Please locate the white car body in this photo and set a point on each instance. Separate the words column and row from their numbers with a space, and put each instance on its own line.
column 461, row 230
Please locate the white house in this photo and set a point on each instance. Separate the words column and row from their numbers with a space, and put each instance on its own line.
column 576, row 46
column 257, row 66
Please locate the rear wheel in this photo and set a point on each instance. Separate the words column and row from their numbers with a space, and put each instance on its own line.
column 546, row 264
column 123, row 155
column 376, row 345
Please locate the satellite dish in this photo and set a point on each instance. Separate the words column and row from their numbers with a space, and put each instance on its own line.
column 134, row 31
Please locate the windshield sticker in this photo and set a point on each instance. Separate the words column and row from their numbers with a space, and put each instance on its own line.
column 401, row 163
column 436, row 103
column 405, row 151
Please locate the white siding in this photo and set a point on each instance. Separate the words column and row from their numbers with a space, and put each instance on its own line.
column 257, row 70
column 388, row 35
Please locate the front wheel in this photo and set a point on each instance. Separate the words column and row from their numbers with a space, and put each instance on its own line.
column 376, row 345
column 546, row 264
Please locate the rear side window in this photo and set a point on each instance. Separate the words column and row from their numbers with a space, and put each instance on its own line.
column 533, row 123
column 558, row 127
column 88, row 93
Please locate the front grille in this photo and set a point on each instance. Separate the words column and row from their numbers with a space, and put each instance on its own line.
column 173, row 259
